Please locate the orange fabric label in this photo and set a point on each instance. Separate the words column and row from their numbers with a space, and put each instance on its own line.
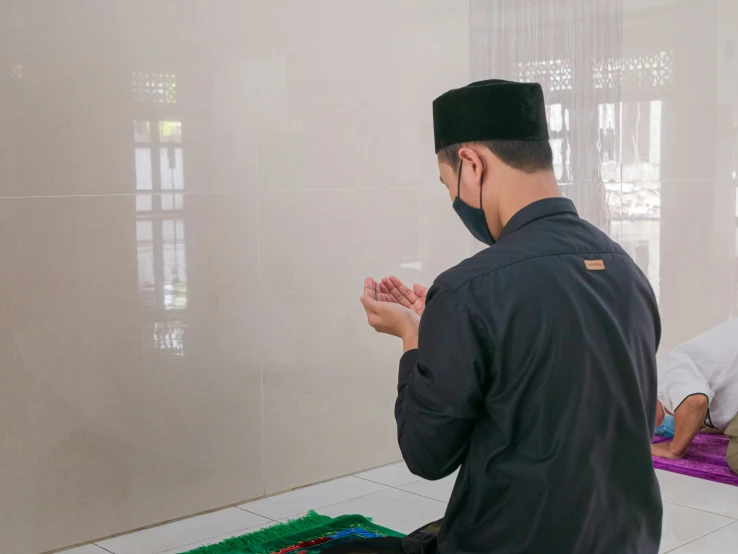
column 594, row 265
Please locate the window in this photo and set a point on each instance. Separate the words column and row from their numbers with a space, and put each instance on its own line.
column 158, row 152
column 154, row 88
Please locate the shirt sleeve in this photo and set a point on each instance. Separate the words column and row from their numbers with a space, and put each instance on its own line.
column 440, row 387
column 681, row 379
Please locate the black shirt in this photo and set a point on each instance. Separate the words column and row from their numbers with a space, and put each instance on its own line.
column 536, row 373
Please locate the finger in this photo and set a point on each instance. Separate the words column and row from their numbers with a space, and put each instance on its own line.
column 399, row 297
column 370, row 305
column 382, row 296
column 385, row 295
column 387, row 284
column 420, row 290
column 405, row 290
column 398, row 287
column 377, row 290
column 395, row 286
column 369, row 288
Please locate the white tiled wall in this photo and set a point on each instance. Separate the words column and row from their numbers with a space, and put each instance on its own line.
column 191, row 194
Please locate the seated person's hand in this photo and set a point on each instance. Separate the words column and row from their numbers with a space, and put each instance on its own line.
column 390, row 317
column 663, row 450
column 413, row 299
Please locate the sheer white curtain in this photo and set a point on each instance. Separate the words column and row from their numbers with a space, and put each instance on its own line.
column 574, row 49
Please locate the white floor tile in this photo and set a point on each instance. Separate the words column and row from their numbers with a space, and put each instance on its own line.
column 216, row 540
column 683, row 525
column 391, row 508
column 724, row 541
column 312, row 498
column 437, row 490
column 392, row 476
column 182, row 533
column 698, row 493
column 88, row 549
column 296, row 516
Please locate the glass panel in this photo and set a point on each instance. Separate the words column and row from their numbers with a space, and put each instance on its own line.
column 172, row 170
column 143, row 169
column 145, row 245
column 172, row 230
column 169, row 337
column 170, row 131
column 641, row 127
column 173, row 256
column 172, row 201
column 555, row 119
column 144, row 231
column 143, row 202
column 141, row 131
column 654, row 155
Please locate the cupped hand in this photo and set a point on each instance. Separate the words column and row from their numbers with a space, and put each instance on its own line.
column 413, row 299
column 390, row 317
column 375, row 290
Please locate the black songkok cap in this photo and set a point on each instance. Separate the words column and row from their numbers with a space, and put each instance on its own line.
column 490, row 110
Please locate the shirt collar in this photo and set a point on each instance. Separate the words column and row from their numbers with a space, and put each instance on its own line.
column 538, row 210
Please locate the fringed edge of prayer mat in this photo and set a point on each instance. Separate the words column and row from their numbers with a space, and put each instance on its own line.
column 311, row 528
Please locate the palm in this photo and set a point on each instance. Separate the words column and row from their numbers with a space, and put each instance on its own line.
column 413, row 299
column 373, row 290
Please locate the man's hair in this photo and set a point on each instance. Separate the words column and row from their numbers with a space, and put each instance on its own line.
column 528, row 156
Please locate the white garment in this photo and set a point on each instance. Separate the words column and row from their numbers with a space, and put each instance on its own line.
column 706, row 364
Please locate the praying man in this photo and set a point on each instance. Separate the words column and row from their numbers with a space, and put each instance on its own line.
column 531, row 366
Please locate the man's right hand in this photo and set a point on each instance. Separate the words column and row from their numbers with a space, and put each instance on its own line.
column 414, row 298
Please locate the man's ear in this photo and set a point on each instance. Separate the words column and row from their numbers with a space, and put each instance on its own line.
column 470, row 156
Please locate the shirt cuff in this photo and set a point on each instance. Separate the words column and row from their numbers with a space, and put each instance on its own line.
column 407, row 365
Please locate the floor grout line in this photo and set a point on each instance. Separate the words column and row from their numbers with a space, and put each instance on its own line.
column 385, row 484
column 257, row 515
column 421, row 495
column 701, row 537
column 698, row 509
column 387, row 487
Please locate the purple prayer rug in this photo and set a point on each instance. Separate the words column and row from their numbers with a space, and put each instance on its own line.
column 705, row 459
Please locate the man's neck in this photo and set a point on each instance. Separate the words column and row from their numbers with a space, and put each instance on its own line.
column 520, row 190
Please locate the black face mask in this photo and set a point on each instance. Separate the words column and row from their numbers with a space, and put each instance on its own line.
column 472, row 218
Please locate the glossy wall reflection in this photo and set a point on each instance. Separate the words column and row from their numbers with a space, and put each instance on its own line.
column 190, row 197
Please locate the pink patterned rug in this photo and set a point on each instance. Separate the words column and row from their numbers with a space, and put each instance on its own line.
column 705, row 460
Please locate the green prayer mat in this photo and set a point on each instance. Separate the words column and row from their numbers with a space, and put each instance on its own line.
column 309, row 534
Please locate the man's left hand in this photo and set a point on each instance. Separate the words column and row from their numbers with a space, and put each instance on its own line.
column 390, row 318
column 663, row 450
